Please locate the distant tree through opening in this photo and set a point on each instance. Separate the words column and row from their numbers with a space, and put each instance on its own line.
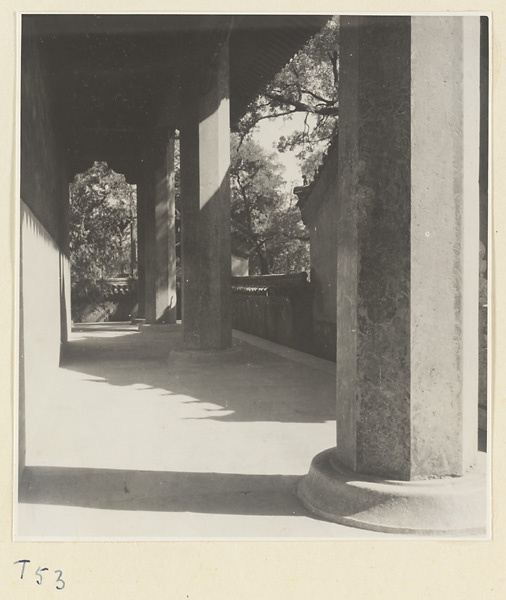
column 103, row 234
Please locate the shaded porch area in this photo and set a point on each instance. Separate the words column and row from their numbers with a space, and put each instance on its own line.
column 127, row 444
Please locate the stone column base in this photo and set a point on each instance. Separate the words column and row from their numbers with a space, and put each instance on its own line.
column 205, row 357
column 453, row 506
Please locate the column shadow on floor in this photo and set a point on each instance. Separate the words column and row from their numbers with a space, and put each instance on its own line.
column 166, row 491
column 261, row 387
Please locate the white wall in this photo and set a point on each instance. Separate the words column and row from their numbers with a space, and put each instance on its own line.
column 44, row 319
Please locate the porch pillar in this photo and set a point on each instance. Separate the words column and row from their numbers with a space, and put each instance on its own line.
column 160, row 225
column 141, row 242
column 407, row 281
column 205, row 207
column 148, row 198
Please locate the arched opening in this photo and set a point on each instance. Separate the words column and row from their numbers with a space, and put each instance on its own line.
column 103, row 245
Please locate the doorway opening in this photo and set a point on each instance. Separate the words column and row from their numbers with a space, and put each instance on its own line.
column 103, row 245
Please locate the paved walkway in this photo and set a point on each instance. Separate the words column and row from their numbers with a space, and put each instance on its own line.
column 129, row 445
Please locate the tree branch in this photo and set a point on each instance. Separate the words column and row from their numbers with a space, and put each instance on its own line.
column 318, row 97
column 303, row 106
column 246, row 201
column 333, row 56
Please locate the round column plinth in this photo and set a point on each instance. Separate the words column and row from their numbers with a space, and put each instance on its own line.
column 453, row 506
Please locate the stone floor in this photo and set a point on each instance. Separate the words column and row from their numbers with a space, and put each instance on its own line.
column 130, row 445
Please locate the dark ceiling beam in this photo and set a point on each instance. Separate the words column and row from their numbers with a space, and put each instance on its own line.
column 107, row 130
column 127, row 82
column 132, row 25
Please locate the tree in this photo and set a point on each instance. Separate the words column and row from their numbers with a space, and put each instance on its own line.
column 262, row 213
column 307, row 85
column 102, row 229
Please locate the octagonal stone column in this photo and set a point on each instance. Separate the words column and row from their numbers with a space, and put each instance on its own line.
column 141, row 243
column 407, row 278
column 160, row 231
column 205, row 201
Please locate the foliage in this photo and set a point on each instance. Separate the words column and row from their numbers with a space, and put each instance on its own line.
column 262, row 214
column 102, row 225
column 308, row 84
